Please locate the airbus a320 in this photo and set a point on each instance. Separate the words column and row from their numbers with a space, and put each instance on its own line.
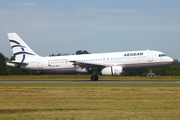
column 112, row 63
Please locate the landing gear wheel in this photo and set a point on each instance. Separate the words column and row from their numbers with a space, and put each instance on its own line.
column 151, row 75
column 94, row 78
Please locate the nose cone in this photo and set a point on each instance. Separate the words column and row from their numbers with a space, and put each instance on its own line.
column 169, row 60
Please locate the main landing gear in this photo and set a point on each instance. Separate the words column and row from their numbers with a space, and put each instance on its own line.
column 94, row 78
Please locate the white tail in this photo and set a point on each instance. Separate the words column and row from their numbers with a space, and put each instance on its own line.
column 20, row 49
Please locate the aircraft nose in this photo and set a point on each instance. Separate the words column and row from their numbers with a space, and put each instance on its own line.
column 171, row 60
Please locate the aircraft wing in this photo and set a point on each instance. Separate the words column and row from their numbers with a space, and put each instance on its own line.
column 88, row 64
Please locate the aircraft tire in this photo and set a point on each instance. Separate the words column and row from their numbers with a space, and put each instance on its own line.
column 151, row 75
column 94, row 78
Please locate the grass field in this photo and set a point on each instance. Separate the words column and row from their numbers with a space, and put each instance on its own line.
column 83, row 77
column 89, row 101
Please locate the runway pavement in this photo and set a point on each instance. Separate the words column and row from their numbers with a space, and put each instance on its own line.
column 94, row 82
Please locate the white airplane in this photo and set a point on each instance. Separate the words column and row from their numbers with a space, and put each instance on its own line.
column 105, row 63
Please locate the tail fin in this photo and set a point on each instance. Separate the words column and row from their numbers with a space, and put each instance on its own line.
column 20, row 49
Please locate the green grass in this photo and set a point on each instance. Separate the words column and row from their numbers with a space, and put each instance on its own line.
column 89, row 101
column 83, row 77
column 82, row 85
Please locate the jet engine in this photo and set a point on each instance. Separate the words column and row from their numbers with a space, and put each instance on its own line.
column 113, row 70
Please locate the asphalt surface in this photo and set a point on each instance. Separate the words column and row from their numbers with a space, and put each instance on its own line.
column 95, row 82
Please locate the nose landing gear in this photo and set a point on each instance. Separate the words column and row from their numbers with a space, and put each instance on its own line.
column 151, row 74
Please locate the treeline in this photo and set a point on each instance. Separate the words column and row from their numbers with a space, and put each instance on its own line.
column 170, row 70
column 78, row 52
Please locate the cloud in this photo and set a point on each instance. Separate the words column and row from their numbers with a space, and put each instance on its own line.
column 167, row 11
column 107, row 10
column 25, row 4
column 119, row 11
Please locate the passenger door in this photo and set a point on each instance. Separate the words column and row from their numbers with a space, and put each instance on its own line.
column 150, row 57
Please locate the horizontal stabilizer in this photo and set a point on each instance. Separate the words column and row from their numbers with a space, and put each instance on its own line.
column 18, row 62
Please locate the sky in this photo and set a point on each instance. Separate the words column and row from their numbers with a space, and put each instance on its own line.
column 65, row 26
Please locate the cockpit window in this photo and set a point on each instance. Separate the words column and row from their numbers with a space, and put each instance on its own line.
column 162, row 55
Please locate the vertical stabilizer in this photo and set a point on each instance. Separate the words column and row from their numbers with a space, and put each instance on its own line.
column 20, row 49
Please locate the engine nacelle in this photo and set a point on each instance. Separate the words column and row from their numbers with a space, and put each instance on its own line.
column 113, row 70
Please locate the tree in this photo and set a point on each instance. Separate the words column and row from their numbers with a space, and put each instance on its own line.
column 3, row 70
column 82, row 52
column 59, row 54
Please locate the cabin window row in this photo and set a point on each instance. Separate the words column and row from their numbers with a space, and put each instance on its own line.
column 58, row 62
column 113, row 58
